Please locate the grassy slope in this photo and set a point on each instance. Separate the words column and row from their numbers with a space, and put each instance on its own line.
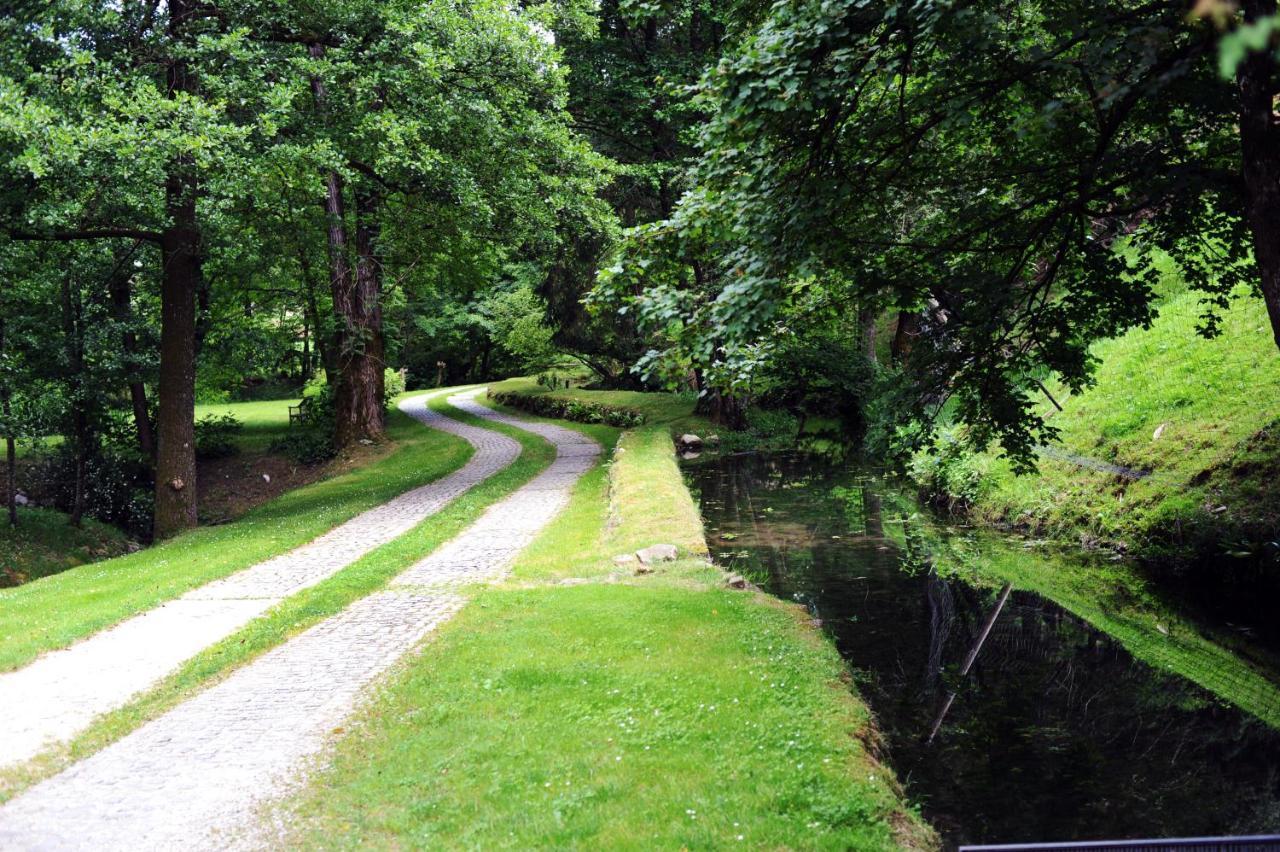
column 55, row 611
column 1213, row 398
column 44, row 543
column 578, row 705
column 293, row 615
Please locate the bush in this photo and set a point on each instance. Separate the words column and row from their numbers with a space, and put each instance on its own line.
column 767, row 429
column 394, row 385
column 216, row 436
column 118, row 486
column 575, row 410
column 948, row 473
column 308, row 445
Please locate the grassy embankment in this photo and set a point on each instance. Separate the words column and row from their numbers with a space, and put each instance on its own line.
column 262, row 421
column 1202, row 415
column 581, row 705
column 57, row 610
column 44, row 543
column 304, row 609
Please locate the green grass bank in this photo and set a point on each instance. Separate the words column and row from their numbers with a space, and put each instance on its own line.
column 580, row 704
column 43, row 543
column 1202, row 416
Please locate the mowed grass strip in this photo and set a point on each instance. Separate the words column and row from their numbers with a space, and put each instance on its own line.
column 612, row 716
column 296, row 613
column 55, row 611
column 582, row 706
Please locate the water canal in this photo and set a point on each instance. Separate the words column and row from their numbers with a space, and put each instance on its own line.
column 1093, row 709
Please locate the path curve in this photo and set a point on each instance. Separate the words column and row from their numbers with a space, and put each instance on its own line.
column 198, row 776
column 59, row 694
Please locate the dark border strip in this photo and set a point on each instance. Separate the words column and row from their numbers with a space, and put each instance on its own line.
column 1251, row 843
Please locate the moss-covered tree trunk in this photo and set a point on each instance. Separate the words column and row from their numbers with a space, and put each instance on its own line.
column 360, row 414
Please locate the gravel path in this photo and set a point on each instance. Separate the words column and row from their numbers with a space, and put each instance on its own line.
column 198, row 776
column 62, row 692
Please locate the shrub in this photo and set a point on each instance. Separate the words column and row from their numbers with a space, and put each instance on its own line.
column 575, row 410
column 216, row 436
column 308, row 445
column 118, row 486
column 948, row 473
column 766, row 429
column 394, row 385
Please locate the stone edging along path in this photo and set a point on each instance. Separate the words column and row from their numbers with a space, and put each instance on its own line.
column 197, row 776
column 60, row 693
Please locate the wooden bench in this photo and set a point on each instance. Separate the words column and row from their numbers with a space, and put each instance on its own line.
column 298, row 414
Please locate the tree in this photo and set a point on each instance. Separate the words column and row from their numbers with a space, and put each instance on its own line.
column 120, row 99
column 976, row 167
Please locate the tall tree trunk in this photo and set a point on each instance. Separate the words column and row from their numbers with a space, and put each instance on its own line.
column 722, row 409
column 182, row 279
column 904, row 337
column 304, row 367
column 364, row 379
column 867, row 326
column 73, row 340
column 323, row 346
column 122, row 311
column 10, row 448
column 1260, row 147
column 356, row 303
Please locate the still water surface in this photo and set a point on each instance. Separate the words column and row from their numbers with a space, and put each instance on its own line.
column 1055, row 733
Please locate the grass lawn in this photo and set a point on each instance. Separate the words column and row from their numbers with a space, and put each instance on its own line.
column 581, row 705
column 57, row 610
column 44, row 543
column 1203, row 415
column 263, row 421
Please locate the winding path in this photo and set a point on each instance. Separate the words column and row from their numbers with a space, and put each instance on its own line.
column 198, row 776
column 59, row 694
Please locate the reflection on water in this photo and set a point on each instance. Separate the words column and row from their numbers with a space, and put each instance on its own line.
column 1055, row 732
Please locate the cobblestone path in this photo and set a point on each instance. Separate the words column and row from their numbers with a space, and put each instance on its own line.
column 60, row 693
column 198, row 776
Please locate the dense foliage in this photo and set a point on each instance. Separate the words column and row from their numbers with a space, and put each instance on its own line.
column 866, row 211
column 1004, row 175
column 219, row 200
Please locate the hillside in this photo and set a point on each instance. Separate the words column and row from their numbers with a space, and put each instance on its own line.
column 1201, row 416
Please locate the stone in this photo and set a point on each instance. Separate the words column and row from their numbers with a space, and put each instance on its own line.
column 713, row 440
column 689, row 455
column 690, row 442
column 736, row 581
column 21, row 499
column 266, row 477
column 625, row 560
column 656, row 553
